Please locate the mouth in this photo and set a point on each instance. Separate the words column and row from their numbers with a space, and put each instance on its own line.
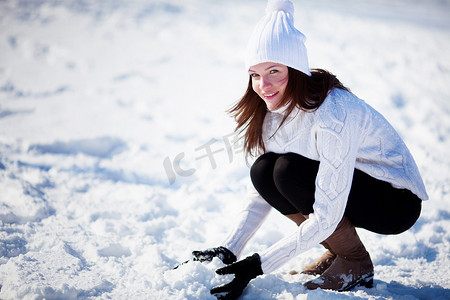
column 271, row 95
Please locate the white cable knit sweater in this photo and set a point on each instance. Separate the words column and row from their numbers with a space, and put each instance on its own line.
column 342, row 134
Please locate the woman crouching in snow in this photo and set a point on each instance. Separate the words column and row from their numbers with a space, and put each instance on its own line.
column 325, row 159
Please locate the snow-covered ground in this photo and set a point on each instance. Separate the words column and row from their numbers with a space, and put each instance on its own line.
column 117, row 157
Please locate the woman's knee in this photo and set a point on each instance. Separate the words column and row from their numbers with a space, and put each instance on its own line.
column 261, row 174
column 295, row 170
column 262, row 169
column 294, row 177
column 282, row 168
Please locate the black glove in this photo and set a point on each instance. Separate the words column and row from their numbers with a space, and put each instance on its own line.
column 244, row 271
column 225, row 255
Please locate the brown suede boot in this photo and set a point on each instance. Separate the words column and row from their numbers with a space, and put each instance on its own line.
column 352, row 266
column 319, row 266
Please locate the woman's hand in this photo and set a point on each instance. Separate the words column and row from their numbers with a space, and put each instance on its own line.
column 244, row 271
column 225, row 255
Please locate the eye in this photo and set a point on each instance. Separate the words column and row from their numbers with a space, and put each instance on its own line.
column 273, row 71
column 254, row 75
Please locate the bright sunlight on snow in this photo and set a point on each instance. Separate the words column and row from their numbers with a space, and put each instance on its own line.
column 117, row 158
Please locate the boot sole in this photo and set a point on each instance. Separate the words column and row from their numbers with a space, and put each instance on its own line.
column 366, row 282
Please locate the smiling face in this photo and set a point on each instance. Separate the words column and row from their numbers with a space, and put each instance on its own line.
column 269, row 81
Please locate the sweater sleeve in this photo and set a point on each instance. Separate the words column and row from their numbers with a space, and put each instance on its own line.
column 336, row 141
column 251, row 217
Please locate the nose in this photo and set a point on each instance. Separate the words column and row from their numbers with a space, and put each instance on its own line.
column 264, row 83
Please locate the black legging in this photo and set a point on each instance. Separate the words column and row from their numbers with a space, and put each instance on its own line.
column 287, row 182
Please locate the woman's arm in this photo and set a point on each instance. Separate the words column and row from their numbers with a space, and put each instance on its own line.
column 337, row 139
column 250, row 219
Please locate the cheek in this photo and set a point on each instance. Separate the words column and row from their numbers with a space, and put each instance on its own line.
column 283, row 82
column 282, row 86
column 255, row 86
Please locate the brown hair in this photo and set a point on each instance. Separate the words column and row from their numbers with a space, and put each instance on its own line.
column 305, row 92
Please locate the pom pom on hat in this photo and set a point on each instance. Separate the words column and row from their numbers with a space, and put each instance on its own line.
column 275, row 39
column 284, row 5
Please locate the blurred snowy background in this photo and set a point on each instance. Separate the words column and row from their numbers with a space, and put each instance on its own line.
column 117, row 157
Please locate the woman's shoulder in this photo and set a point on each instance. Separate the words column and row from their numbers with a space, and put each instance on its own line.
column 341, row 106
column 343, row 97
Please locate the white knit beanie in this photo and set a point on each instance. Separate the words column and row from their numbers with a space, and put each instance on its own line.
column 275, row 39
